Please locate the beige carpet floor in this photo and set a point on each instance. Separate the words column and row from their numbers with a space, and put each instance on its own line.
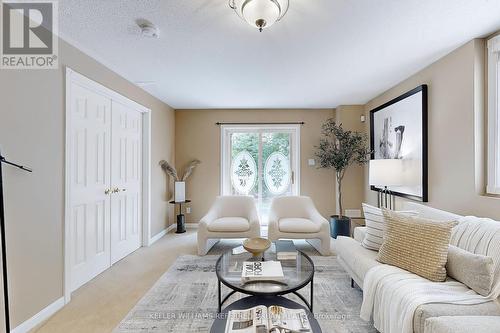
column 100, row 305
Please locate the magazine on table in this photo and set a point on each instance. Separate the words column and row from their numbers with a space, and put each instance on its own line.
column 273, row 319
column 262, row 271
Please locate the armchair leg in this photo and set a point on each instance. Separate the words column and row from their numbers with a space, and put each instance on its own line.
column 204, row 245
column 352, row 283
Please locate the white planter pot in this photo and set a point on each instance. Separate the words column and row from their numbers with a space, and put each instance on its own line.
column 180, row 192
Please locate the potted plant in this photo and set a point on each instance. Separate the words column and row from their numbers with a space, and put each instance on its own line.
column 337, row 150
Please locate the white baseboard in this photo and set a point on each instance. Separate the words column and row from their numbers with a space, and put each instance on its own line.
column 40, row 317
column 168, row 229
column 171, row 227
column 159, row 235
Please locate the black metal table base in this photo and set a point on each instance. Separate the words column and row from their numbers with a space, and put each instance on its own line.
column 222, row 301
column 181, row 224
column 181, row 219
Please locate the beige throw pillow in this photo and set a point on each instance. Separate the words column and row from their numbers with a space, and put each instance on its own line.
column 473, row 270
column 416, row 244
column 375, row 225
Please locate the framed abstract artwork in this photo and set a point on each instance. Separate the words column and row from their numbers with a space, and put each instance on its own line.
column 398, row 130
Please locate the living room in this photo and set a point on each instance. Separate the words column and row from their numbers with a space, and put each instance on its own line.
column 156, row 148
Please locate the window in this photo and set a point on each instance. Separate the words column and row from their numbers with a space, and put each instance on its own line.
column 494, row 115
column 261, row 161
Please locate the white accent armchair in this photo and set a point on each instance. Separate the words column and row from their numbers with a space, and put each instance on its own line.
column 296, row 217
column 229, row 217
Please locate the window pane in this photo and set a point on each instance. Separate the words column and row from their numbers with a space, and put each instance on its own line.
column 277, row 172
column 244, row 159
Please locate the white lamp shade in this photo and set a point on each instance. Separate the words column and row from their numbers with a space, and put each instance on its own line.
column 386, row 172
column 261, row 10
column 180, row 191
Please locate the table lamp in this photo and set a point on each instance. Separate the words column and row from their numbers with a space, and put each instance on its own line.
column 384, row 173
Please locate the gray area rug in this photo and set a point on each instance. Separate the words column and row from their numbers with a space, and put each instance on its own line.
column 184, row 299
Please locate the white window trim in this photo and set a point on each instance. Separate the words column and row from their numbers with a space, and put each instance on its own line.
column 493, row 186
column 227, row 130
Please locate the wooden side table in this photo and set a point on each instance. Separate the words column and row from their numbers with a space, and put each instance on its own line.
column 181, row 218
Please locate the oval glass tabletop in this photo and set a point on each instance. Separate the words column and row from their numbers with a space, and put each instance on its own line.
column 298, row 273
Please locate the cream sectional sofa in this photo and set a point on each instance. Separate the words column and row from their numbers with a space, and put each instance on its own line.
column 358, row 260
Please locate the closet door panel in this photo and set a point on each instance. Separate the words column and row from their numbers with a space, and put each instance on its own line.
column 126, row 161
column 90, row 168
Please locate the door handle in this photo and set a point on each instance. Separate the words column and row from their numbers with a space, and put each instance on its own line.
column 107, row 191
column 115, row 190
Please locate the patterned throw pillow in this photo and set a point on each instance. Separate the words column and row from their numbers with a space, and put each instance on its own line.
column 416, row 244
column 374, row 221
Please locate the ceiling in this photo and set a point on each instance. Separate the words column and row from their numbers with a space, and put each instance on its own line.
column 324, row 53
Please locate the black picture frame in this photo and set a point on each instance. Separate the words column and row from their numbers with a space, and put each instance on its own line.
column 424, row 90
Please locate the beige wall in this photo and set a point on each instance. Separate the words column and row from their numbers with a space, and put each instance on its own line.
column 197, row 136
column 32, row 129
column 456, row 149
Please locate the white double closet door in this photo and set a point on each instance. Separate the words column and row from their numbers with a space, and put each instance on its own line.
column 105, row 182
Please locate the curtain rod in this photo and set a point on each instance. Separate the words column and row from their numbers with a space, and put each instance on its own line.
column 262, row 123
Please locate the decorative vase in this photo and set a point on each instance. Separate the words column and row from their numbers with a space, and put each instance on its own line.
column 340, row 226
column 256, row 246
column 180, row 191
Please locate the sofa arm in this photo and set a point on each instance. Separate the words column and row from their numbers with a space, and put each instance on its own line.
column 253, row 218
column 210, row 216
column 272, row 226
column 464, row 324
column 426, row 311
column 359, row 233
column 317, row 218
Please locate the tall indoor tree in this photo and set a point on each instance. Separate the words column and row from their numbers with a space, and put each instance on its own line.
column 338, row 149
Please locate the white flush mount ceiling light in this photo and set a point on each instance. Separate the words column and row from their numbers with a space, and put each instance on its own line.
column 260, row 13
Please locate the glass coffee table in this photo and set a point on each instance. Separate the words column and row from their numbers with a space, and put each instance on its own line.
column 298, row 273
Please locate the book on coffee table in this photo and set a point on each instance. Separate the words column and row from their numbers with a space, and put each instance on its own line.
column 262, row 271
column 262, row 319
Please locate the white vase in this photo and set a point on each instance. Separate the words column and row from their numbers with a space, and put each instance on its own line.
column 180, row 191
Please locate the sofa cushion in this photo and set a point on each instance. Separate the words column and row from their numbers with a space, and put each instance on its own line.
column 358, row 258
column 298, row 225
column 375, row 221
column 466, row 324
column 417, row 245
column 473, row 270
column 427, row 311
column 229, row 224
